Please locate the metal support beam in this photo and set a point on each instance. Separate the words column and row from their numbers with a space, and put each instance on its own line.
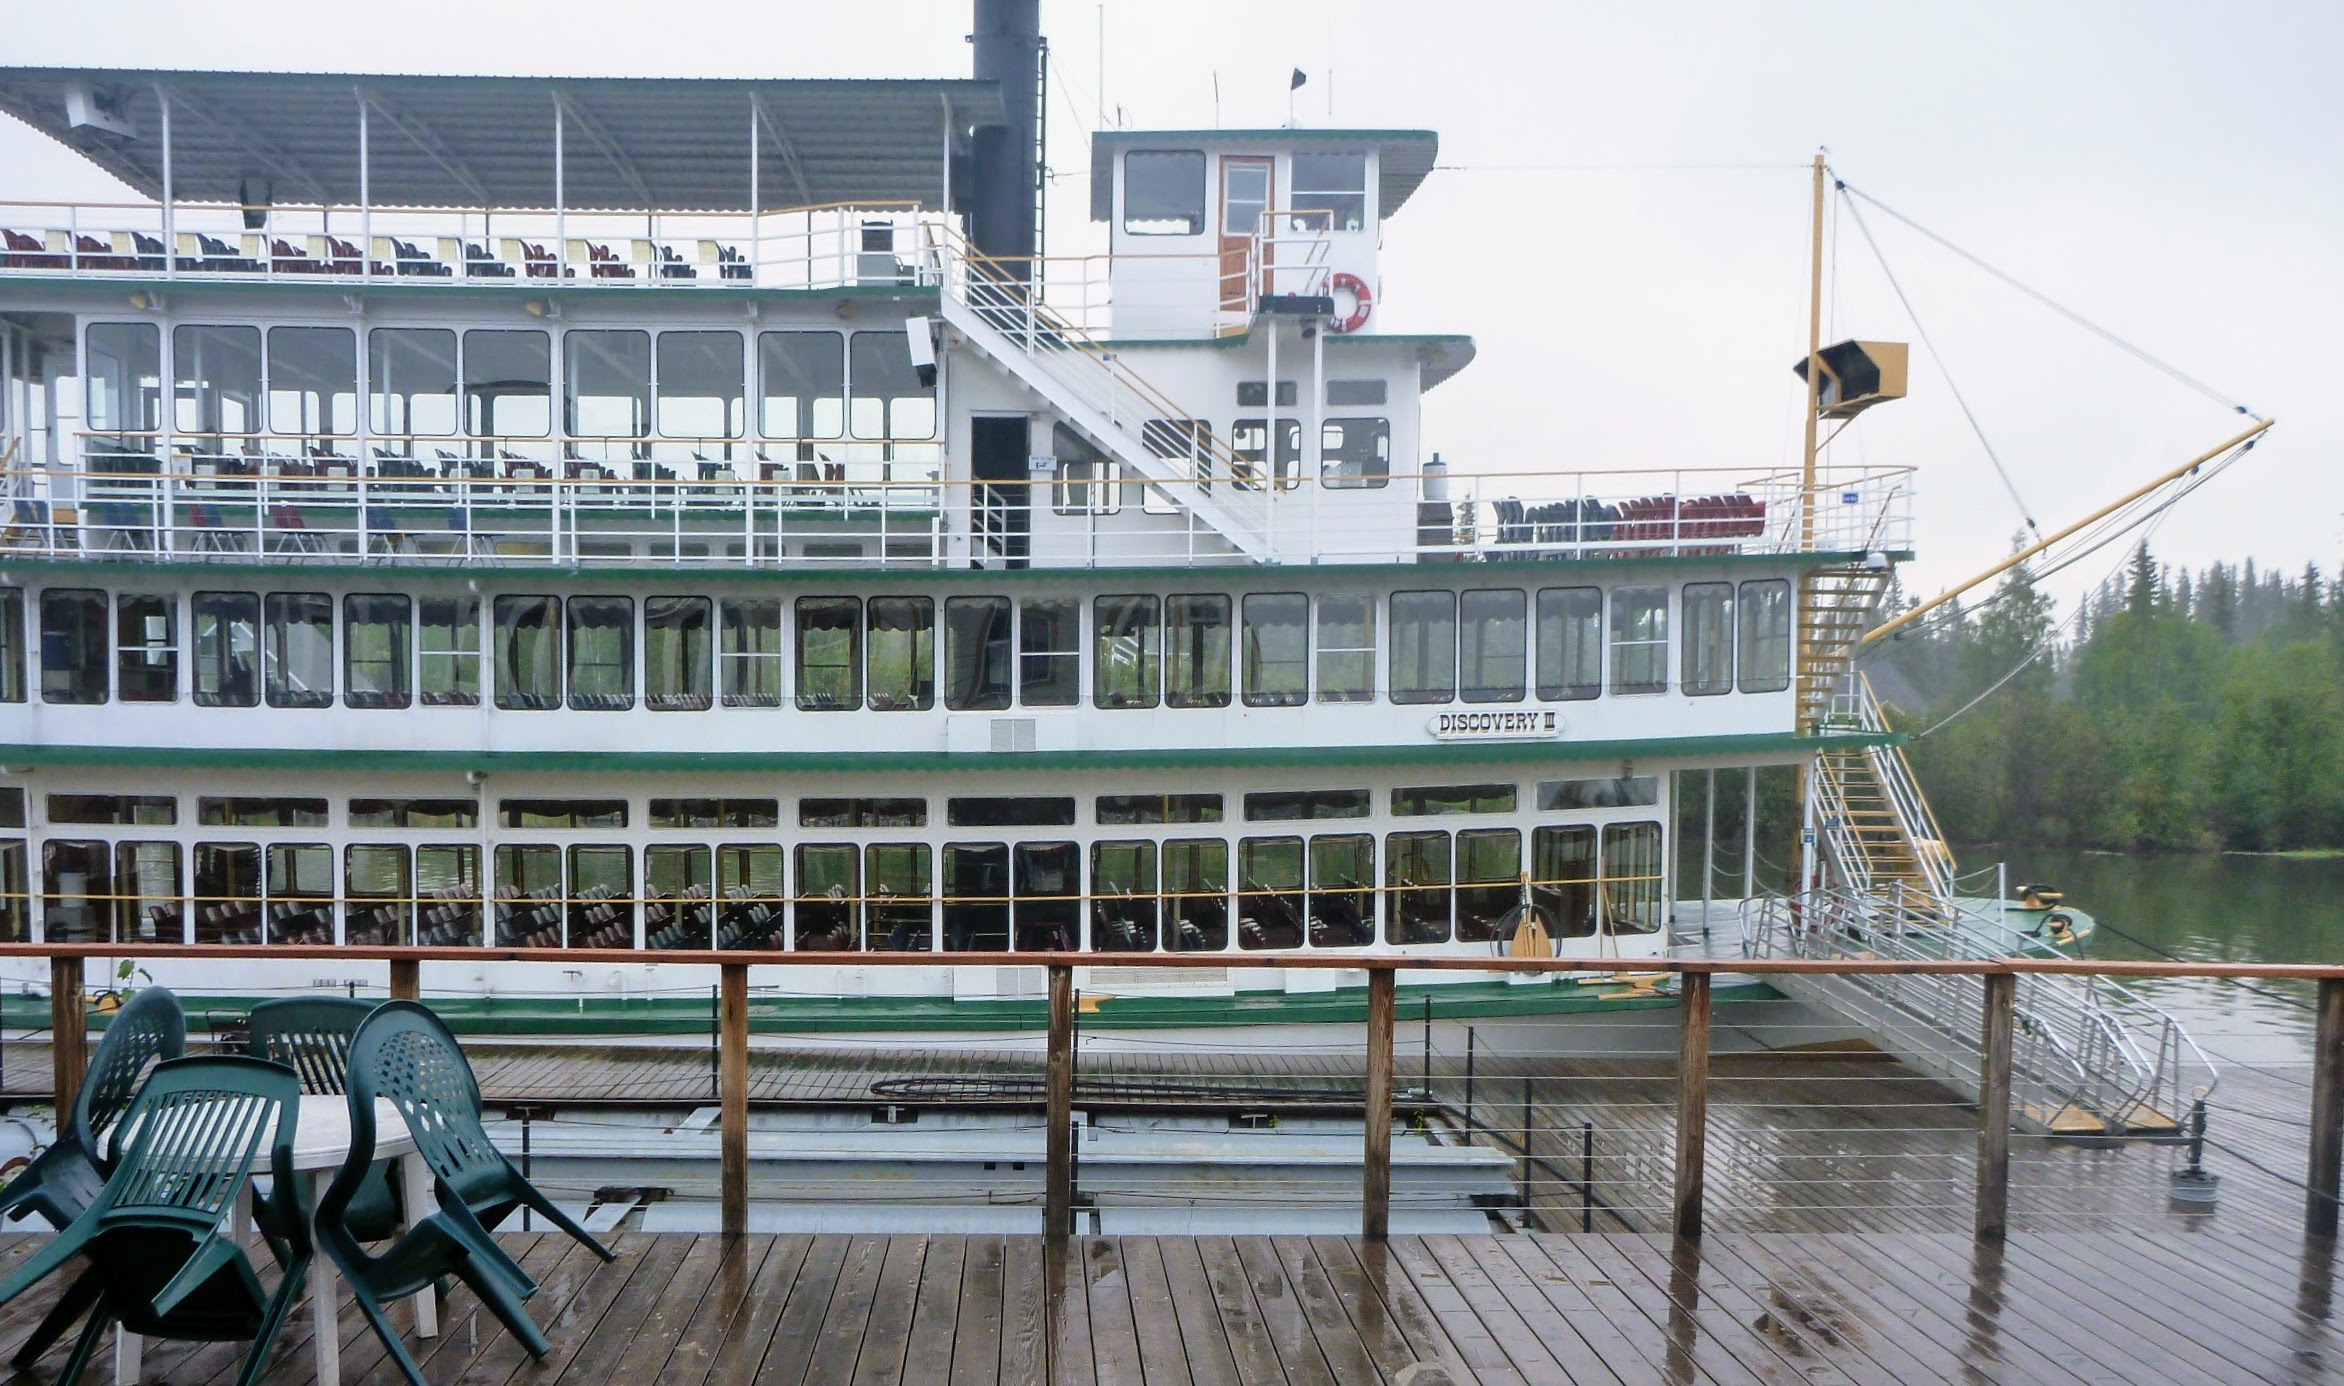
column 1058, row 1157
column 732, row 1096
column 1994, row 1104
column 69, row 1034
column 788, row 151
column 406, row 979
column 434, row 148
column 2327, row 1113
column 1692, row 1100
column 1375, row 1211
column 610, row 150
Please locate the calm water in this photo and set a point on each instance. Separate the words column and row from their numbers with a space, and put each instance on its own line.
column 2204, row 909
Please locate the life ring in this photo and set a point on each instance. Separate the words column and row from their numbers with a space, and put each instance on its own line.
column 2062, row 926
column 1362, row 300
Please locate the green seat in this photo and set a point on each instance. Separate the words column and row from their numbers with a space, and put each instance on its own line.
column 161, row 1238
column 64, row 1180
column 311, row 1035
column 403, row 1054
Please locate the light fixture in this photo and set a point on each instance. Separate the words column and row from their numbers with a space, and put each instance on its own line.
column 474, row 777
column 144, row 301
column 541, row 308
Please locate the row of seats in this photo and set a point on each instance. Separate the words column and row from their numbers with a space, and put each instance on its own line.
column 68, row 251
column 1646, row 520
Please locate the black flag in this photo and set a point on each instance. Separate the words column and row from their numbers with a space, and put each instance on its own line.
column 1299, row 78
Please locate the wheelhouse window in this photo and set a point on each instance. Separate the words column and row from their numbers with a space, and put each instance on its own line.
column 803, row 375
column 1355, row 454
column 1163, row 192
column 1049, row 645
column 701, row 385
column 313, row 382
column 606, row 384
column 215, row 386
column 830, row 654
column 1766, row 636
column 1709, row 638
column 297, row 649
column 1196, row 651
column 528, row 652
column 602, row 653
column 1416, row 868
column 11, row 645
column 411, row 382
column 1196, row 890
column 678, row 652
column 1639, row 640
column 508, row 383
column 1124, row 672
column 1277, row 649
column 1354, row 394
column 1335, row 187
column 976, row 653
column 885, row 397
column 1631, row 877
column 1255, row 394
column 1570, row 643
column 902, row 653
column 448, row 649
column 1346, row 648
column 73, row 646
column 122, row 372
column 1492, row 643
column 146, row 646
column 376, row 630
column 1424, row 647
column 750, row 654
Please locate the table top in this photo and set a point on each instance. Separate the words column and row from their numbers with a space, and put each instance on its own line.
column 321, row 1134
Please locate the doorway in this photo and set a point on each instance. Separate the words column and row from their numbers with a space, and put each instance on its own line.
column 1001, row 519
column 1246, row 190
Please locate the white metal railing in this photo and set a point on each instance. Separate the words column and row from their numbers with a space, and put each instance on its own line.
column 1885, row 772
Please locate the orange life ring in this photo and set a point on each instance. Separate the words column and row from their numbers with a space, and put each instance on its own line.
column 1362, row 301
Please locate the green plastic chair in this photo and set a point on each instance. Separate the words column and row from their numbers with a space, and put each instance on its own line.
column 405, row 1055
column 161, row 1236
column 311, row 1035
column 65, row 1179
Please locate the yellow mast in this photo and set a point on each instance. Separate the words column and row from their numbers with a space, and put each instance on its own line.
column 1798, row 852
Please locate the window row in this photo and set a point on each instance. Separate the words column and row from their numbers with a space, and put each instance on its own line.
column 1354, row 453
column 599, row 653
column 1177, row 894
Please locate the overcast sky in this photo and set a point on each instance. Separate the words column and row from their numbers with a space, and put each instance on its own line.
column 1620, row 216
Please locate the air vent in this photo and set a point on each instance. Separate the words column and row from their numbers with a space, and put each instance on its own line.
column 1013, row 733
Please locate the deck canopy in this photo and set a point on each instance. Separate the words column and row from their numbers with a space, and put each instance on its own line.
column 627, row 143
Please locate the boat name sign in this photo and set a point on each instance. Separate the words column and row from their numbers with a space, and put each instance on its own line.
column 1525, row 724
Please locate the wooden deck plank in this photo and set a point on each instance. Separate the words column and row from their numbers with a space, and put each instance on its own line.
column 1282, row 1315
column 887, row 1331
column 1249, row 1341
column 1107, row 1301
column 844, row 1322
column 791, row 1344
column 1163, row 1356
column 1393, row 1321
column 1188, row 1294
column 743, row 1351
column 935, row 1313
column 977, row 1337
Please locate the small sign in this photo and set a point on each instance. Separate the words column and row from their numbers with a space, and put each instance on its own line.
column 1847, row 498
column 1515, row 724
column 1807, row 839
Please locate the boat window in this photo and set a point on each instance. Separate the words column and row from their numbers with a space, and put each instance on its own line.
column 377, row 903
column 1342, row 891
column 77, row 888
column 751, row 652
column 804, row 380
column 528, row 652
column 1269, row 892
column 227, row 893
column 902, row 653
column 146, row 644
column 449, row 651
column 715, row 813
column 528, row 896
column 11, row 645
column 1355, row 454
column 73, row 646
column 11, row 808
column 1117, row 809
column 1416, row 868
column 256, row 811
column 1123, row 896
column 1354, row 393
column 1489, row 882
column 1625, row 791
column 976, row 653
column 1049, row 645
column 1346, row 647
column 602, row 653
column 15, row 893
column 411, row 381
column 1124, row 669
column 562, row 813
column 1639, row 640
column 301, row 893
column 1181, row 440
column 1277, row 649
column 1196, row 885
column 1028, row 812
column 1255, row 394
column 1570, row 643
column 1766, row 636
column 1196, row 651
column 1163, row 192
column 313, row 380
column 902, row 907
column 103, row 810
column 700, row 384
column 447, row 887
column 1562, row 879
column 830, row 654
column 828, row 897
column 607, row 384
column 1249, row 450
column 679, row 887
column 146, row 890
column 862, row 813
column 1709, row 638
column 1085, row 481
column 1492, row 643
column 1046, row 896
column 1334, row 185
column 976, row 897
column 1281, row 805
column 414, row 813
column 885, row 397
column 122, row 365
column 375, row 639
column 227, row 649
column 297, row 649
column 1631, row 877
column 677, row 651
column 508, row 383
column 749, row 877
column 1452, row 798
column 215, row 385
column 602, row 897
column 1424, row 647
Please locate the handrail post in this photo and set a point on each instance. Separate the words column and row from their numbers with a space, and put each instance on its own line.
column 1058, row 1175
column 69, row 1038
column 733, row 1096
column 1692, row 1099
column 1994, row 1104
column 406, row 979
column 2327, row 1113
column 1375, row 1213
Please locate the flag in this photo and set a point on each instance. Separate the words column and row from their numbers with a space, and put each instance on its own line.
column 1299, row 78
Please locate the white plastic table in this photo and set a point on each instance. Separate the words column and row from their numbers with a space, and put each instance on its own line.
column 321, row 1141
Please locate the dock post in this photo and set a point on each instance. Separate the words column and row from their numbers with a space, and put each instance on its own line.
column 1375, row 1208
column 1994, row 1105
column 69, row 1032
column 406, row 979
column 733, row 1097
column 1692, row 1099
column 2327, row 1113
column 1058, row 1176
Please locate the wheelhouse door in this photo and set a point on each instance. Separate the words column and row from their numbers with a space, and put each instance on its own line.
column 1246, row 186
column 1001, row 500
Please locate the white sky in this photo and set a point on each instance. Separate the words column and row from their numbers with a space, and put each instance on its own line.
column 2174, row 171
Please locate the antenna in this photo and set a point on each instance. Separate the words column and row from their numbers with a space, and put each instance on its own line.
column 1102, row 66
column 1216, row 98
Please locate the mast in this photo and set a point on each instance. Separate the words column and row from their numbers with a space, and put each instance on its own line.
column 1814, row 374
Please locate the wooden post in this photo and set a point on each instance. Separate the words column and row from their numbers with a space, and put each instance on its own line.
column 1692, row 1098
column 1058, row 1156
column 2327, row 1113
column 69, row 1034
column 1375, row 1212
column 406, row 979
column 733, row 1096
column 1994, row 1105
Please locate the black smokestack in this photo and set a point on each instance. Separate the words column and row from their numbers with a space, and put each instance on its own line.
column 1007, row 158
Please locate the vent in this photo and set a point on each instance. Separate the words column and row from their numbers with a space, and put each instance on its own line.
column 1013, row 733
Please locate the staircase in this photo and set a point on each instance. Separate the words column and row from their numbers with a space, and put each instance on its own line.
column 1835, row 609
column 1881, row 832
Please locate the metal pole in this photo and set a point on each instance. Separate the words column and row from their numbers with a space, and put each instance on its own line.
column 1587, row 1176
column 715, row 1043
column 1428, row 1049
column 1994, row 1105
column 1375, row 1219
column 365, row 229
column 526, row 1114
column 1750, row 836
column 1692, row 1100
column 170, row 216
column 2327, row 1113
column 1469, row 1078
column 1709, row 854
